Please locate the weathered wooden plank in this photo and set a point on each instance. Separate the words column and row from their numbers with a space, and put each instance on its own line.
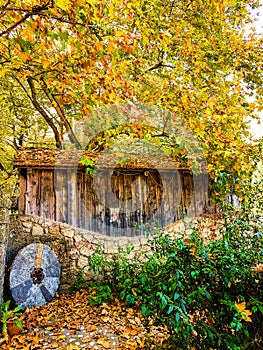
column 129, row 200
column 72, row 207
column 73, row 212
column 81, row 199
column 123, row 203
column 47, row 196
column 89, row 195
column 32, row 192
column 201, row 194
column 100, row 191
column 22, row 189
column 149, row 206
column 171, row 198
column 187, row 193
column 65, row 197
column 59, row 179
column 120, row 199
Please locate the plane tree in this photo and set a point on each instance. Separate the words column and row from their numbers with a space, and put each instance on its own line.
column 62, row 59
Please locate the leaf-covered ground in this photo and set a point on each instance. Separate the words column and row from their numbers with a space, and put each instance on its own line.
column 69, row 322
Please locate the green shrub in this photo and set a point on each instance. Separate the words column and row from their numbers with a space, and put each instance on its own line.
column 206, row 293
column 100, row 294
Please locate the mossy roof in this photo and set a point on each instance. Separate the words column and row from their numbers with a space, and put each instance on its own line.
column 50, row 158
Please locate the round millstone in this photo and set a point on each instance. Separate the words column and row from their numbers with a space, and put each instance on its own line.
column 34, row 276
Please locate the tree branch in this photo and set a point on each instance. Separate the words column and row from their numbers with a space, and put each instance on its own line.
column 41, row 110
column 159, row 65
column 64, row 20
column 72, row 137
column 4, row 7
column 23, row 19
column 35, row 11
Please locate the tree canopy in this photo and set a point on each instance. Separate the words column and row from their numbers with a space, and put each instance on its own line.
column 61, row 59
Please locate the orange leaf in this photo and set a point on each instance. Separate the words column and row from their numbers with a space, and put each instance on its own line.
column 241, row 307
column 111, row 46
column 210, row 320
column 24, row 56
column 192, row 251
column 248, row 313
column 105, row 343
column 130, row 331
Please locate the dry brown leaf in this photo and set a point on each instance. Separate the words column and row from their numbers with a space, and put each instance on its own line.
column 60, row 338
column 105, row 343
column 130, row 311
column 104, row 312
column 72, row 347
column 20, row 346
column 140, row 343
column 86, row 340
column 137, row 320
column 105, row 319
column 74, row 311
column 91, row 328
column 210, row 321
column 130, row 331
column 258, row 268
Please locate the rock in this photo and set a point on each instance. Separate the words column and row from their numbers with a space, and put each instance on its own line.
column 54, row 230
column 68, row 233
column 82, row 262
column 37, row 231
column 27, row 224
column 87, row 250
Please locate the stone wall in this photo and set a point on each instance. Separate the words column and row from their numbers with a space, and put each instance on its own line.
column 74, row 246
column 4, row 228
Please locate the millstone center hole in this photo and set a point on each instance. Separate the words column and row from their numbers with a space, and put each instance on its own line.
column 37, row 275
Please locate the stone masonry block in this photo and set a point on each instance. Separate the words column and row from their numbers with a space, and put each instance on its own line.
column 37, row 231
column 4, row 218
column 3, row 232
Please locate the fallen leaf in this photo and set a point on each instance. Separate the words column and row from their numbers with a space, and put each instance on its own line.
column 130, row 311
column 130, row 331
column 60, row 338
column 74, row 313
column 72, row 347
column 105, row 319
column 105, row 343
column 86, row 340
column 210, row 320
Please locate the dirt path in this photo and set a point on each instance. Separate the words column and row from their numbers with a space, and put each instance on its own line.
column 69, row 322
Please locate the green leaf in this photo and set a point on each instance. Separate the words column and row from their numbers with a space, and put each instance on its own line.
column 177, row 318
column 170, row 309
column 18, row 323
column 176, row 296
column 16, row 309
column 145, row 311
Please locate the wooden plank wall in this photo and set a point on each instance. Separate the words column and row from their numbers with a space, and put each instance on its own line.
column 115, row 201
